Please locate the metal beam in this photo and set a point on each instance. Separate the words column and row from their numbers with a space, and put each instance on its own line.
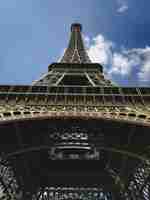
column 125, row 158
column 90, row 80
column 59, row 80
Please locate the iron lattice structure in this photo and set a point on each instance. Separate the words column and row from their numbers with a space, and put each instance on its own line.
column 72, row 134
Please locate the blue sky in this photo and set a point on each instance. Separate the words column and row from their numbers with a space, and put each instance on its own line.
column 33, row 34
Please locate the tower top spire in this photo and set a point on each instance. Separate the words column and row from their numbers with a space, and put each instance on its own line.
column 76, row 26
column 76, row 53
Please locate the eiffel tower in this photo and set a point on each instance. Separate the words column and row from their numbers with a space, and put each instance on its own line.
column 73, row 134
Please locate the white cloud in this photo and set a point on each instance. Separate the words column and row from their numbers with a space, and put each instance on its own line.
column 144, row 73
column 86, row 41
column 100, row 49
column 141, row 58
column 125, row 63
column 122, row 6
column 121, row 64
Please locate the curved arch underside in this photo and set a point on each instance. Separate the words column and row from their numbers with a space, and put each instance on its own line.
column 120, row 151
column 124, row 117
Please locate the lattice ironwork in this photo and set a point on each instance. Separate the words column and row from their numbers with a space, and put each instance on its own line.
column 68, row 193
column 72, row 143
column 9, row 188
column 139, row 185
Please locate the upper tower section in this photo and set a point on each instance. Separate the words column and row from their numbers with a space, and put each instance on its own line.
column 76, row 26
column 76, row 53
column 75, row 67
